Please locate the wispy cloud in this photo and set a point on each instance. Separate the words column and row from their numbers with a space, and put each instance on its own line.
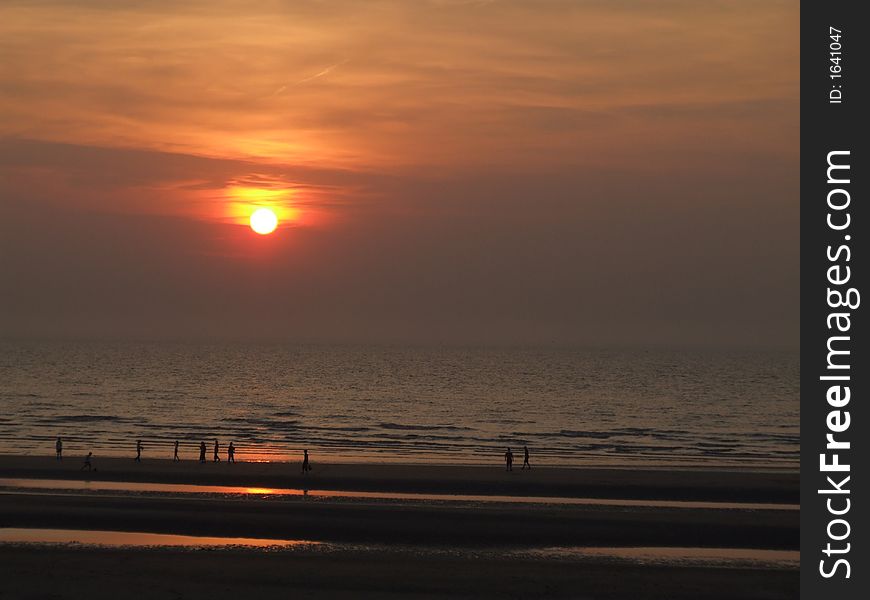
column 443, row 85
column 323, row 73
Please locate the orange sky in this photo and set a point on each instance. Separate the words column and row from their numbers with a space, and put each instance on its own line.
column 353, row 117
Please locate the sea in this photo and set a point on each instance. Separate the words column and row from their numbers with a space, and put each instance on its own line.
column 403, row 404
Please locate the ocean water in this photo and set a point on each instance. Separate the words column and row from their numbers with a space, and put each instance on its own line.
column 403, row 404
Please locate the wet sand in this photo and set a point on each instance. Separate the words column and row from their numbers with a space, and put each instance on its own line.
column 467, row 528
column 108, row 574
column 458, row 524
column 650, row 484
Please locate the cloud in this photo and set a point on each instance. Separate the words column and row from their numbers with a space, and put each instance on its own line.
column 513, row 171
column 322, row 73
column 199, row 79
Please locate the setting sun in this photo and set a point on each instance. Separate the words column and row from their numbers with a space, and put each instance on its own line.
column 263, row 221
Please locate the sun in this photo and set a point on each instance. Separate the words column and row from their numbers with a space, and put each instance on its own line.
column 263, row 221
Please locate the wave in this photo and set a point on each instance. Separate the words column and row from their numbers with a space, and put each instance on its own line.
column 423, row 427
column 595, row 435
column 86, row 419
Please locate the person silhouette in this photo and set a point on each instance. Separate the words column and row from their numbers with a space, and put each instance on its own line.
column 508, row 460
column 138, row 450
column 87, row 464
column 231, row 453
column 526, row 457
column 306, row 466
column 202, row 452
column 175, row 455
column 217, row 448
column 58, row 449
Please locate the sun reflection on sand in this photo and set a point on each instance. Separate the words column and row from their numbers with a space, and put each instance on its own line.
column 182, row 488
column 134, row 538
column 259, row 491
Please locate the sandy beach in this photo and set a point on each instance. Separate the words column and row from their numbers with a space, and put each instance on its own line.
column 409, row 515
column 434, row 547
column 100, row 574
column 722, row 485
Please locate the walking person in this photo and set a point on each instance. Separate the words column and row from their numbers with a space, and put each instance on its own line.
column 138, row 450
column 87, row 464
column 202, row 452
column 526, row 458
column 58, row 449
column 217, row 457
column 231, row 453
column 175, row 455
column 508, row 460
column 306, row 466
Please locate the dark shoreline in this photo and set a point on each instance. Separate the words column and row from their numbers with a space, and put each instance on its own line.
column 379, row 522
column 404, row 520
column 775, row 487
column 473, row 538
column 108, row 574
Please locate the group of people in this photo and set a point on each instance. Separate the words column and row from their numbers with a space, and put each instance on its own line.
column 216, row 457
column 509, row 459
column 231, row 454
